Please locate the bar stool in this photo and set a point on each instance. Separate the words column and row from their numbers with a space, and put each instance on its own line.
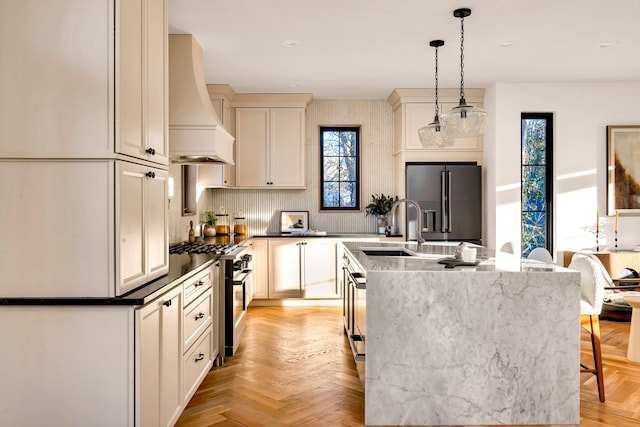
column 593, row 280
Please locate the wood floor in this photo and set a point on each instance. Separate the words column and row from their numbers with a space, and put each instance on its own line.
column 295, row 368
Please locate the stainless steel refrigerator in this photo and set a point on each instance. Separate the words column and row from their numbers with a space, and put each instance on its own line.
column 450, row 198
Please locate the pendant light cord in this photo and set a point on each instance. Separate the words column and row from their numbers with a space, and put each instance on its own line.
column 461, row 57
column 437, row 109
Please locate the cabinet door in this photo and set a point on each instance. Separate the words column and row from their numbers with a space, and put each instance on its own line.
column 252, row 132
column 141, row 225
column 284, row 269
column 319, row 269
column 286, row 152
column 130, row 190
column 158, row 360
column 156, row 145
column 141, row 80
column 157, row 224
column 260, row 266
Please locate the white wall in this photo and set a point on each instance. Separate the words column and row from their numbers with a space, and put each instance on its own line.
column 582, row 112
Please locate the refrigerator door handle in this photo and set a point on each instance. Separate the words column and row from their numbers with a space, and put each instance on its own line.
column 449, row 219
column 443, row 214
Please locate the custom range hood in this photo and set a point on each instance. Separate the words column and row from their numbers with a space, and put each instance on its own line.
column 196, row 134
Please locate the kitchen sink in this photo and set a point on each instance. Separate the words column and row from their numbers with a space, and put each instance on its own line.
column 388, row 252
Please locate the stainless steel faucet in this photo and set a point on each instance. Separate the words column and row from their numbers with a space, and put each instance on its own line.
column 419, row 238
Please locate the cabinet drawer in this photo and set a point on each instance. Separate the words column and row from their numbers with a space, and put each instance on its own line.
column 196, row 285
column 197, row 362
column 197, row 316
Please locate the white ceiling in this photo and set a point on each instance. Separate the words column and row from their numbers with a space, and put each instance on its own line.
column 363, row 49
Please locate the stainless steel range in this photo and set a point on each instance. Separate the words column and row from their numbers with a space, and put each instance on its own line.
column 202, row 248
column 236, row 288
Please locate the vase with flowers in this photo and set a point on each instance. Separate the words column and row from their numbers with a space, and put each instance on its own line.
column 380, row 206
column 209, row 221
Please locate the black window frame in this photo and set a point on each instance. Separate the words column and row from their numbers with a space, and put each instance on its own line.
column 357, row 131
column 549, row 177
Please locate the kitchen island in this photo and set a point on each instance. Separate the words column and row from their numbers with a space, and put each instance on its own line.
column 496, row 343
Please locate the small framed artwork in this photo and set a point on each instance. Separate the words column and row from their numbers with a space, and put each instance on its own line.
column 294, row 221
column 623, row 170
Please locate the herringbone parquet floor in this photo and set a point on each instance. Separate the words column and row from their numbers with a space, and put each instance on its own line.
column 294, row 368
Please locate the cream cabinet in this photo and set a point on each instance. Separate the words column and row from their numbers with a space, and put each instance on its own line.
column 141, row 80
column 302, row 268
column 142, row 224
column 109, row 217
column 70, row 89
column 270, row 147
column 158, row 360
column 260, row 266
column 201, row 328
column 215, row 175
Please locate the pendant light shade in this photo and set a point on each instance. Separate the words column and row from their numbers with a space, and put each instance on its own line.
column 463, row 121
column 432, row 135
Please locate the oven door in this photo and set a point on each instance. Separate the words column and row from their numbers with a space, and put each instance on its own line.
column 241, row 287
column 235, row 309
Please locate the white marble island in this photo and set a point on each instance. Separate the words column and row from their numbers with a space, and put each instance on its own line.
column 493, row 344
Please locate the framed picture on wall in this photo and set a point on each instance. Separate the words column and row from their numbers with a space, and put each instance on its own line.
column 623, row 169
column 294, row 221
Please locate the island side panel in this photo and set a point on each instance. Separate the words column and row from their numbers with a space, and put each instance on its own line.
column 467, row 347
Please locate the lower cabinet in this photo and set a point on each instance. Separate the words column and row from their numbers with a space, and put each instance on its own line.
column 158, row 360
column 295, row 268
column 176, row 344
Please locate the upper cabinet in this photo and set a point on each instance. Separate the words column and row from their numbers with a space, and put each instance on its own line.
column 415, row 108
column 70, row 89
column 141, row 80
column 270, row 141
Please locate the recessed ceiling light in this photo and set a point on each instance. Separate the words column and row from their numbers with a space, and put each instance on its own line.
column 293, row 84
column 289, row 43
column 606, row 45
column 506, row 44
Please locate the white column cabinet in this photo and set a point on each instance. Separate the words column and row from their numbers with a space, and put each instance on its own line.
column 302, row 268
column 158, row 360
column 141, row 224
column 102, row 95
column 270, row 147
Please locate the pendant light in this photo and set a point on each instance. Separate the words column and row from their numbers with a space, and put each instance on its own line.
column 432, row 135
column 464, row 120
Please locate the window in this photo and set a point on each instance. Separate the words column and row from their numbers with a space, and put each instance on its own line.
column 537, row 181
column 340, row 168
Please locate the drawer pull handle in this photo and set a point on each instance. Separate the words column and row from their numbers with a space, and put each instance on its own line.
column 167, row 303
column 200, row 316
column 199, row 283
column 151, row 151
column 200, row 357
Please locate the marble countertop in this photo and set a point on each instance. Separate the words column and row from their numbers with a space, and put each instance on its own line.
column 427, row 259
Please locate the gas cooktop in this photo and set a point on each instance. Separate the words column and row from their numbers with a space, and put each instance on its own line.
column 202, row 248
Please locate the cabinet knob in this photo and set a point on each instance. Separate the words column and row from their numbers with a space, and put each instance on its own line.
column 151, row 151
column 200, row 316
column 200, row 357
column 151, row 174
column 167, row 303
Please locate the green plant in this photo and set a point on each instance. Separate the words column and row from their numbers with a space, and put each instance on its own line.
column 380, row 204
column 210, row 218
